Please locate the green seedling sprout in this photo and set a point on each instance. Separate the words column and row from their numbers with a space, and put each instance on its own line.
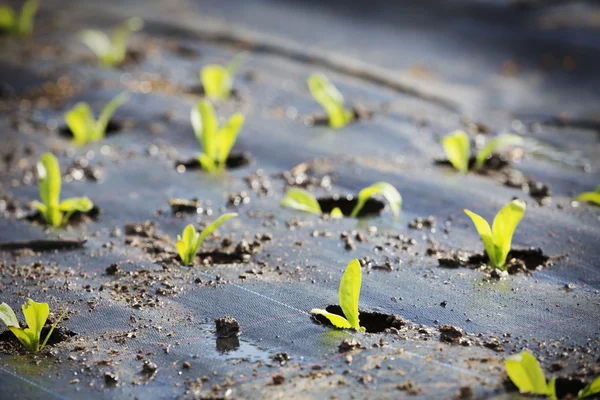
column 348, row 294
column 302, row 200
column 190, row 240
column 497, row 240
column 82, row 123
column 457, row 147
column 21, row 24
column 330, row 98
column 386, row 190
column 527, row 375
column 36, row 315
column 592, row 197
column 217, row 80
column 216, row 141
column 111, row 52
column 55, row 212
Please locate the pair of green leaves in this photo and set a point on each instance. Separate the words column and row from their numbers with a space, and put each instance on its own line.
column 21, row 24
column 348, row 294
column 458, row 149
column 331, row 99
column 55, row 212
column 190, row 240
column 111, row 52
column 216, row 141
column 592, row 197
column 303, row 200
column 527, row 375
column 497, row 240
column 82, row 123
column 36, row 315
column 217, row 80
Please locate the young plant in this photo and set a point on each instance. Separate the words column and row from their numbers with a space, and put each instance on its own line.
column 190, row 241
column 111, row 52
column 590, row 390
column 497, row 240
column 302, row 200
column 217, row 80
column 348, row 294
column 216, row 141
column 330, row 98
column 55, row 212
column 592, row 197
column 458, row 149
column 386, row 190
column 21, row 24
column 36, row 315
column 82, row 123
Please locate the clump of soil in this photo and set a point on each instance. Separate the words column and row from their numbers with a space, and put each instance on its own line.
column 192, row 206
column 450, row 334
column 9, row 344
column 320, row 119
column 373, row 207
column 373, row 322
column 422, row 223
column 349, row 345
column 518, row 260
column 234, row 161
column 227, row 326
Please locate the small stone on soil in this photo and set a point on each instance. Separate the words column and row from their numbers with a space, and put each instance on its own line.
column 349, row 344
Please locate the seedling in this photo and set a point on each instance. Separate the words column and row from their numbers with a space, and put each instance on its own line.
column 497, row 240
column 190, row 241
column 527, row 375
column 36, row 315
column 458, row 149
column 82, row 123
column 21, row 24
column 111, row 52
column 330, row 98
column 55, row 212
column 348, row 295
column 386, row 190
column 592, row 197
column 302, row 200
column 217, row 80
column 216, row 141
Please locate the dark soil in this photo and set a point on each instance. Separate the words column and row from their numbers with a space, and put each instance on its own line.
column 320, row 119
column 372, row 207
column 518, row 260
column 76, row 218
column 373, row 322
column 114, row 126
column 234, row 161
column 198, row 90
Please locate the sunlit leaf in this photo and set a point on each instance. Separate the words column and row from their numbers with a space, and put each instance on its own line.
column 7, row 315
column 211, row 228
column 506, row 139
column 590, row 390
column 330, row 98
column 98, row 42
column 336, row 213
column 36, row 315
column 50, row 183
column 386, row 190
column 186, row 244
column 336, row 320
column 25, row 20
column 205, row 124
column 216, row 81
column 81, row 123
column 228, row 135
column 458, row 150
column 111, row 51
column 303, row 200
column 7, row 18
column 106, row 114
column 592, row 197
column 504, row 225
column 52, row 330
column 525, row 372
column 552, row 389
column 349, row 292
column 25, row 337
column 485, row 232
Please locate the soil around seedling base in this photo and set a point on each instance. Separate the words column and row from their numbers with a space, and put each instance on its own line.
column 114, row 126
column 320, row 119
column 373, row 322
column 234, row 161
column 566, row 388
column 9, row 344
column 518, row 260
column 77, row 217
column 346, row 204
column 198, row 90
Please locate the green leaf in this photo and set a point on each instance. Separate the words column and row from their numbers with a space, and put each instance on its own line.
column 336, row 320
column 458, row 150
column 216, row 81
column 205, row 124
column 236, row 63
column 336, row 213
column 7, row 18
column 118, row 50
column 106, row 114
column 590, row 390
column 349, row 292
column 81, row 122
column 7, row 315
column 186, row 245
column 303, row 200
column 206, row 162
column 49, row 184
column 330, row 98
column 505, row 139
column 525, row 372
column 210, row 229
column 36, row 315
column 227, row 136
column 52, row 329
column 25, row 337
column 99, row 43
column 592, row 197
column 386, row 190
column 25, row 21
column 504, row 225
column 552, row 389
column 484, row 230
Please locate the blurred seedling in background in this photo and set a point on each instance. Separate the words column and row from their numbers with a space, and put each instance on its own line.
column 331, row 99
column 348, row 294
column 216, row 141
column 458, row 149
column 18, row 24
column 217, row 80
column 111, row 51
column 527, row 375
column 36, row 315
column 591, row 197
column 84, row 127
column 302, row 200
column 190, row 240
column 55, row 212
column 497, row 240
